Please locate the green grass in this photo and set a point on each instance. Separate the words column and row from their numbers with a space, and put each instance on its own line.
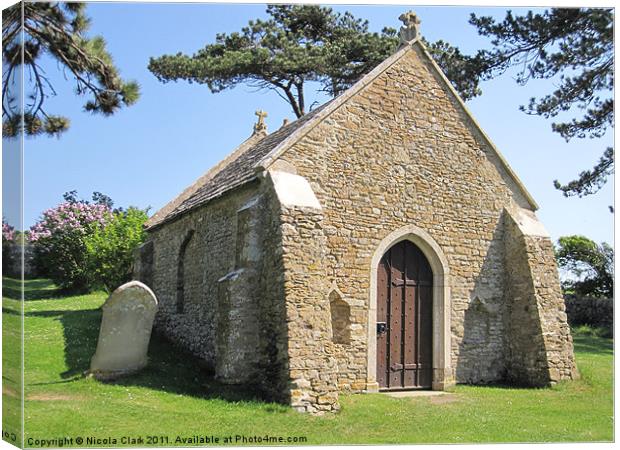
column 11, row 364
column 174, row 396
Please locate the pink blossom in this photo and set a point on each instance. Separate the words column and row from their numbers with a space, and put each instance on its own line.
column 77, row 217
column 8, row 232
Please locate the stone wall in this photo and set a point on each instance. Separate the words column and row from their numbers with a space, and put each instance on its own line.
column 596, row 312
column 234, row 315
column 402, row 151
column 273, row 366
column 190, row 308
column 238, row 296
column 540, row 346
column 340, row 311
column 313, row 369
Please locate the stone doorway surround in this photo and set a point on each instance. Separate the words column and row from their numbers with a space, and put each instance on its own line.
column 442, row 370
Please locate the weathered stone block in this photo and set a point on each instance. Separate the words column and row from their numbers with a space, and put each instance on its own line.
column 125, row 331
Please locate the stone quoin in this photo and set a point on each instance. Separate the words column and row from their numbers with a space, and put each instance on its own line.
column 379, row 242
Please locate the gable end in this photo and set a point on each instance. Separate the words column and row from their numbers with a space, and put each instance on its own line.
column 292, row 139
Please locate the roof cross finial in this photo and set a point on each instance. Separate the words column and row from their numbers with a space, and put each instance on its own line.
column 410, row 29
column 260, row 126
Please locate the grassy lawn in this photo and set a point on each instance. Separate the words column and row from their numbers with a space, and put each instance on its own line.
column 174, row 397
column 11, row 362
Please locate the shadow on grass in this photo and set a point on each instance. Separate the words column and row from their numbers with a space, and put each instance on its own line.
column 173, row 370
column 505, row 385
column 81, row 329
column 593, row 345
column 39, row 289
column 11, row 311
column 170, row 369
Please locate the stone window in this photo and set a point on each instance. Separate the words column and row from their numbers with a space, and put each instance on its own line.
column 181, row 272
column 341, row 319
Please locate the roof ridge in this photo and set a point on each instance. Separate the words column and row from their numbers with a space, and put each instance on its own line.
column 200, row 192
column 163, row 213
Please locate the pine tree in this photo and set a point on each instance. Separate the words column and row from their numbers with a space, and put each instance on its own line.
column 302, row 43
column 298, row 44
column 575, row 48
column 56, row 29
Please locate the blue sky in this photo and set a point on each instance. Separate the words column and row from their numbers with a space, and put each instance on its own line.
column 146, row 154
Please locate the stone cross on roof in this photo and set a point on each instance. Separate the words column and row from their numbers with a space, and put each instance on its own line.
column 260, row 126
column 411, row 27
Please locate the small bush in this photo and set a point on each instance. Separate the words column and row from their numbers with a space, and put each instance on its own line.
column 110, row 248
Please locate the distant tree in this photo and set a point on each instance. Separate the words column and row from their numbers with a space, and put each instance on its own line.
column 56, row 29
column 592, row 265
column 102, row 199
column 82, row 245
column 302, row 43
column 575, row 47
column 97, row 198
column 71, row 197
column 296, row 45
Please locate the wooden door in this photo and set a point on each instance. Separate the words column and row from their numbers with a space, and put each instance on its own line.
column 404, row 319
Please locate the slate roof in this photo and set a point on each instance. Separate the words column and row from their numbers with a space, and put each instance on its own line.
column 235, row 170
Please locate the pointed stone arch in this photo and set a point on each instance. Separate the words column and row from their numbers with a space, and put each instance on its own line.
column 180, row 300
column 442, row 370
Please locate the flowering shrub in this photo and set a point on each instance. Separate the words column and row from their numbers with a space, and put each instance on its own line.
column 59, row 235
column 110, row 248
column 8, row 237
column 8, row 232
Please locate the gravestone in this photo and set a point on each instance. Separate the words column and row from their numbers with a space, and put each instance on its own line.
column 125, row 331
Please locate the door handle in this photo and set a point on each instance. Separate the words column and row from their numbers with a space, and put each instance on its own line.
column 396, row 367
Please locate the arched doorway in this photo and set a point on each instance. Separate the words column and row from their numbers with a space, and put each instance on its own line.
column 442, row 373
column 404, row 319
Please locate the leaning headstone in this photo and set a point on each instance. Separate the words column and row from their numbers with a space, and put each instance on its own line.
column 125, row 331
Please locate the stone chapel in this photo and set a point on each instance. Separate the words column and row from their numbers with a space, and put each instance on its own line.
column 380, row 242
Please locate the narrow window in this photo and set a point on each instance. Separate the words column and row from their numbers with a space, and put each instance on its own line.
column 341, row 319
column 145, row 272
column 181, row 272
